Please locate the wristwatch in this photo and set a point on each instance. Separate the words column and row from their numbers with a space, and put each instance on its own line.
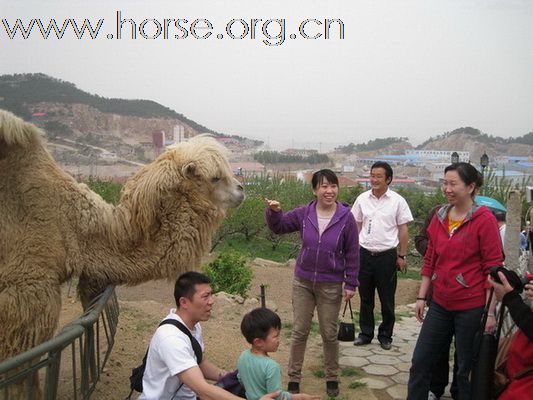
column 402, row 257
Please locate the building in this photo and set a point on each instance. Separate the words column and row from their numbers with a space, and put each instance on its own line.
column 300, row 152
column 158, row 140
column 437, row 155
column 247, row 168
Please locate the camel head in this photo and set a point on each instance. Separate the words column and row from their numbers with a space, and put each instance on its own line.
column 193, row 175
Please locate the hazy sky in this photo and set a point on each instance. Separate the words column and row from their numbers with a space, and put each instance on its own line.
column 404, row 68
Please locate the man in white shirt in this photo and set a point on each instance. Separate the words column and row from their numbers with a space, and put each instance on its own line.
column 172, row 371
column 382, row 217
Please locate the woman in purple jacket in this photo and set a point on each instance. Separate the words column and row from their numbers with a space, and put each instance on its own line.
column 326, row 271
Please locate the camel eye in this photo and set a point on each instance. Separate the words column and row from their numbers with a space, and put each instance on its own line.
column 215, row 179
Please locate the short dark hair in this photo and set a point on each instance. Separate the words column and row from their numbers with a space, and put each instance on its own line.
column 467, row 173
column 319, row 176
column 500, row 216
column 386, row 166
column 258, row 322
column 185, row 285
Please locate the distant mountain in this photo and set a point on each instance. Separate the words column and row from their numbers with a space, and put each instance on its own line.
column 480, row 137
column 375, row 144
column 81, row 127
column 461, row 139
column 473, row 140
column 21, row 90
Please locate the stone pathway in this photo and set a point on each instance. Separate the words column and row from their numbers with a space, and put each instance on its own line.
column 386, row 369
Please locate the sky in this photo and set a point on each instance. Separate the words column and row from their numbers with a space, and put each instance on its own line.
column 413, row 68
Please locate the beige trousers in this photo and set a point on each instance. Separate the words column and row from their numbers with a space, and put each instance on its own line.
column 327, row 298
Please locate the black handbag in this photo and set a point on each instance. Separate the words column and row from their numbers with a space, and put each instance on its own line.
column 347, row 329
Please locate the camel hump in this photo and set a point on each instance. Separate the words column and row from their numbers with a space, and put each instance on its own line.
column 15, row 131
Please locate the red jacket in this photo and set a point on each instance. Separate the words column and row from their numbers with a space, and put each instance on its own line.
column 458, row 264
column 520, row 358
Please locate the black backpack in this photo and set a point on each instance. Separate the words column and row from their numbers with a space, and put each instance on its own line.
column 136, row 378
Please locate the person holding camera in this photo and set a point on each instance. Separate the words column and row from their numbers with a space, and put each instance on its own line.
column 464, row 243
column 520, row 356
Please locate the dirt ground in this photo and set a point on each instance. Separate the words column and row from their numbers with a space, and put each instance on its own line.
column 142, row 307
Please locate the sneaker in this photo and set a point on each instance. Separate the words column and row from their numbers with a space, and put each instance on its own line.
column 332, row 388
column 432, row 396
column 293, row 387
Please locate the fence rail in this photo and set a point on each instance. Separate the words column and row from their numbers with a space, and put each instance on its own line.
column 85, row 344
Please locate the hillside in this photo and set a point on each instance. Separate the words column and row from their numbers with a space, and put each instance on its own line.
column 20, row 92
column 476, row 142
column 461, row 139
column 84, row 129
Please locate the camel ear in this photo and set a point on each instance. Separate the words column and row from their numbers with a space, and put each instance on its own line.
column 189, row 170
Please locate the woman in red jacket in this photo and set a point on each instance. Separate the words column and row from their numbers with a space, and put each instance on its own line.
column 464, row 243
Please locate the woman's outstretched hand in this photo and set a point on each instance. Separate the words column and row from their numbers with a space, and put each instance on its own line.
column 274, row 205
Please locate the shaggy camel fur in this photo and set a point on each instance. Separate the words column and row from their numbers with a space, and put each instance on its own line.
column 53, row 228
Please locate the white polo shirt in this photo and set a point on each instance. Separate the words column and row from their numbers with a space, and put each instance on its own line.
column 170, row 353
column 380, row 218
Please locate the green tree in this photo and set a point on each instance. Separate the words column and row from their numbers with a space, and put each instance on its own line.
column 109, row 191
column 229, row 273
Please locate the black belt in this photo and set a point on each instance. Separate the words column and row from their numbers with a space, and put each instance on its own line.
column 377, row 253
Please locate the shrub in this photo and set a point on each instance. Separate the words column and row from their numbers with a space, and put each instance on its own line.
column 110, row 191
column 229, row 273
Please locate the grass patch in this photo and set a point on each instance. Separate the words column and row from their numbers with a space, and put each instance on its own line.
column 286, row 327
column 357, row 385
column 319, row 373
column 411, row 273
column 403, row 314
column 145, row 325
column 350, row 371
column 258, row 247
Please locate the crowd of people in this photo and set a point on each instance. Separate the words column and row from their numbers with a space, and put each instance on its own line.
column 360, row 248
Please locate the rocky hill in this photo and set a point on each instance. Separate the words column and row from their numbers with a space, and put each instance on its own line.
column 476, row 142
column 461, row 139
column 125, row 126
column 19, row 92
column 79, row 123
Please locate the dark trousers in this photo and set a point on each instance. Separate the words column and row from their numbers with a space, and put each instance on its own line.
column 437, row 330
column 377, row 272
column 440, row 374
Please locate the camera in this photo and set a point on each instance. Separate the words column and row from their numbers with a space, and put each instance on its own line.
column 512, row 277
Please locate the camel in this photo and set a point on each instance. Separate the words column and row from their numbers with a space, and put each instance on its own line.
column 53, row 229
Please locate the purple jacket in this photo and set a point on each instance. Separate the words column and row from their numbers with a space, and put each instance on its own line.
column 332, row 257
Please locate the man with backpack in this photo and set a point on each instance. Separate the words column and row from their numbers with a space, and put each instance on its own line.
column 175, row 368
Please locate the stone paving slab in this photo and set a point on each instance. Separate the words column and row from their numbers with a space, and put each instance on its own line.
column 380, row 370
column 387, row 369
column 384, row 360
column 353, row 361
column 376, row 383
column 398, row 392
column 356, row 351
column 402, row 378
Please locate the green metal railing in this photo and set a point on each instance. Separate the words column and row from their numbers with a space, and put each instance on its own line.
column 90, row 339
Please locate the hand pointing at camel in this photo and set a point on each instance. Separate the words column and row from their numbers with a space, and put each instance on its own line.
column 274, row 205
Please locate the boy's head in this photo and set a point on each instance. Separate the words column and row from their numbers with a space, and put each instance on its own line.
column 258, row 323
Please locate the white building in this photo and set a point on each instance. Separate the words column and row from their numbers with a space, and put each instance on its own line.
column 438, row 155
